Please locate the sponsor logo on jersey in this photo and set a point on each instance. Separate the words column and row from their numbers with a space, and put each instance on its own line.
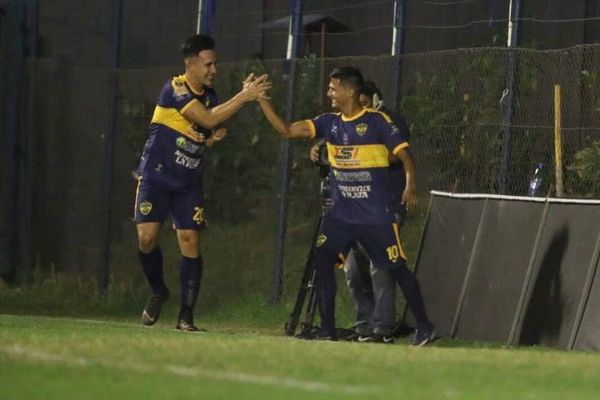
column 345, row 155
column 180, row 142
column 361, row 176
column 187, row 161
column 321, row 239
column 145, row 207
column 361, row 128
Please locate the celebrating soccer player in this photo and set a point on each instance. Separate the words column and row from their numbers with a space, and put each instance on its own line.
column 186, row 118
column 359, row 142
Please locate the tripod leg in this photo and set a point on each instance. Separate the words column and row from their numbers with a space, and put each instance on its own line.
column 306, row 284
column 309, row 314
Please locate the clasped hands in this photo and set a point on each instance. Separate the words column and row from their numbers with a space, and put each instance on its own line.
column 255, row 88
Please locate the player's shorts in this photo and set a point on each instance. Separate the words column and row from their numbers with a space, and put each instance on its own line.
column 381, row 242
column 154, row 204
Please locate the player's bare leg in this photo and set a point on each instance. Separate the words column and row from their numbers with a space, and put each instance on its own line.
column 151, row 259
column 191, row 276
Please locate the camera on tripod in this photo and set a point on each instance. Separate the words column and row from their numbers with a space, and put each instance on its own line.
column 306, row 300
column 322, row 162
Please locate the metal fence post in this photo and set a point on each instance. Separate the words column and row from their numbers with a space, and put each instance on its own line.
column 398, row 48
column 509, row 99
column 284, row 154
column 206, row 11
column 114, row 62
column 26, row 153
column 10, row 178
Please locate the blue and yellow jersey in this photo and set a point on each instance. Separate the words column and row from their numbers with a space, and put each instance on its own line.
column 358, row 152
column 174, row 153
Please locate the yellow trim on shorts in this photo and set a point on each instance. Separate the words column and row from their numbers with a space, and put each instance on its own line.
column 137, row 193
column 397, row 234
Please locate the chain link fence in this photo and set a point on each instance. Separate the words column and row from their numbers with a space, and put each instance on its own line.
column 454, row 102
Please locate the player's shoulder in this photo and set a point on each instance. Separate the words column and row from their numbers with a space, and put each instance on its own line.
column 327, row 116
column 378, row 114
column 178, row 86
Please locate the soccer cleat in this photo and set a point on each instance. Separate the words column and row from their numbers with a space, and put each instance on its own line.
column 153, row 307
column 317, row 334
column 376, row 338
column 424, row 337
column 187, row 326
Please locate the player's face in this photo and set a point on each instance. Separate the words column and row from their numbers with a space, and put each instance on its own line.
column 338, row 93
column 365, row 101
column 204, row 67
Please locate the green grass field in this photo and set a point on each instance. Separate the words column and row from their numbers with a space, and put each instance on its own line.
column 68, row 358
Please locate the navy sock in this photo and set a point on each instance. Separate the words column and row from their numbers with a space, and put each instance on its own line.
column 412, row 292
column 152, row 265
column 191, row 276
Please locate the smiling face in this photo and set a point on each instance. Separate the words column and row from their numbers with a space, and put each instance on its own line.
column 203, row 67
column 339, row 94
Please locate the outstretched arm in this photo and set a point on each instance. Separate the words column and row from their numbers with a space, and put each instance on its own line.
column 253, row 89
column 409, row 197
column 299, row 129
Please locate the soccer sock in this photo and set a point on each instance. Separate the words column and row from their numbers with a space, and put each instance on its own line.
column 191, row 275
column 152, row 265
column 326, row 289
column 412, row 292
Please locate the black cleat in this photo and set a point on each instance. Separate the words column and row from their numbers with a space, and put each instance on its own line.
column 402, row 330
column 187, row 326
column 153, row 307
column 376, row 338
column 424, row 337
column 317, row 335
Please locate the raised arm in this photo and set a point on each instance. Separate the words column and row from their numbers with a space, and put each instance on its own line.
column 409, row 197
column 299, row 129
column 210, row 118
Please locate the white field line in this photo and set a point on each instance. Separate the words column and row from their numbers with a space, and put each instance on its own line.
column 20, row 353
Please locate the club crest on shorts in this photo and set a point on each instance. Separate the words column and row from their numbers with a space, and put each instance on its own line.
column 361, row 128
column 145, row 207
column 321, row 239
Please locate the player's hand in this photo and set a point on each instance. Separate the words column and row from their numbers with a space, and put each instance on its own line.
column 219, row 134
column 199, row 137
column 314, row 153
column 410, row 198
column 256, row 88
column 248, row 80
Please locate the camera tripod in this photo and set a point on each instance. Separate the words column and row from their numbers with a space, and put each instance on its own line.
column 308, row 285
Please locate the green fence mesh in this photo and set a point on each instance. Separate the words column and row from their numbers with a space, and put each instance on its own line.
column 454, row 103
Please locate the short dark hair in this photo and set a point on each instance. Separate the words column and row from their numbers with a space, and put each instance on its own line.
column 348, row 75
column 369, row 89
column 195, row 44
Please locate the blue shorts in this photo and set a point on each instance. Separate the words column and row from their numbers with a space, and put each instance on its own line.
column 186, row 206
column 381, row 242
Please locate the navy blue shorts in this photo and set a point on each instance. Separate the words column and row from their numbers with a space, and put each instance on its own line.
column 186, row 206
column 381, row 242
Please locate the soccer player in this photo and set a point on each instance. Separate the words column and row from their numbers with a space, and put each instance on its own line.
column 359, row 142
column 186, row 119
column 372, row 289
